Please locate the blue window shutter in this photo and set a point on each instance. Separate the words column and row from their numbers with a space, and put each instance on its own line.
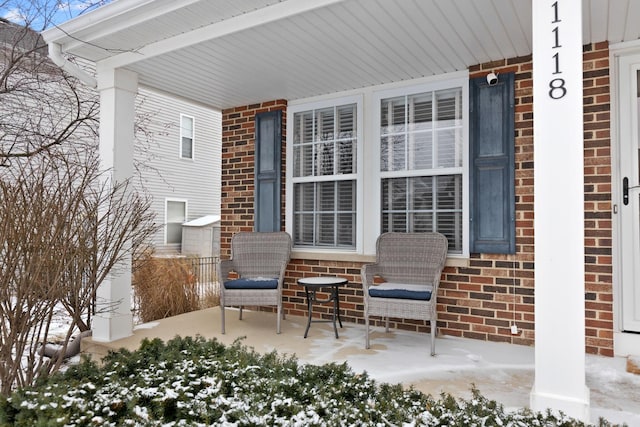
column 492, row 175
column 267, row 172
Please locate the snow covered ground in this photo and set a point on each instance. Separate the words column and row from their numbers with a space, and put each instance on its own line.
column 502, row 372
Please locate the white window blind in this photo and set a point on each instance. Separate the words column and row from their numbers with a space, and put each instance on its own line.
column 421, row 159
column 324, row 176
column 186, row 137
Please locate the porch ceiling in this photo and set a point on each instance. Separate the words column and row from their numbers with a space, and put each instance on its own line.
column 226, row 53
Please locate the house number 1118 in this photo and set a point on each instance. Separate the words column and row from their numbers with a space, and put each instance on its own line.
column 557, row 87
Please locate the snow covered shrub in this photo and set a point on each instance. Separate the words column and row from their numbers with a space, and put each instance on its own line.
column 194, row 382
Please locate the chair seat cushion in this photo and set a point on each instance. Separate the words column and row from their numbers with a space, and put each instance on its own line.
column 252, row 283
column 401, row 290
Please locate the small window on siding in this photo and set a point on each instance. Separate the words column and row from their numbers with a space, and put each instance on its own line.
column 176, row 215
column 186, row 137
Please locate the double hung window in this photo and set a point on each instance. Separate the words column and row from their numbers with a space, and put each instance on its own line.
column 325, row 141
column 186, row 137
column 421, row 164
column 176, row 215
column 390, row 158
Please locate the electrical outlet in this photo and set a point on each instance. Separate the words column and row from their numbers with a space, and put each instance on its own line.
column 514, row 329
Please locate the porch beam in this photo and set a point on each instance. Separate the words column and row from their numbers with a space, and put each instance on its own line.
column 258, row 17
column 113, row 319
column 112, row 18
column 560, row 382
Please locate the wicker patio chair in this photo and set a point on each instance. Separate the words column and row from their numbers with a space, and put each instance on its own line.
column 259, row 261
column 403, row 283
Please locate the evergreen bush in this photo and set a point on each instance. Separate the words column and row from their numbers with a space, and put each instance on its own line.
column 198, row 382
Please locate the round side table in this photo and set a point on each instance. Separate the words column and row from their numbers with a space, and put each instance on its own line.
column 311, row 286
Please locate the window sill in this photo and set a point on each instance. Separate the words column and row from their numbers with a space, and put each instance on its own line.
column 457, row 261
column 332, row 256
column 354, row 257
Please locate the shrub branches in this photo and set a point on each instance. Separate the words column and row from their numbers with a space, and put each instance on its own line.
column 62, row 231
column 64, row 226
column 196, row 382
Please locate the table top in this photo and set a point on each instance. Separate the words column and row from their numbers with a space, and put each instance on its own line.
column 322, row 281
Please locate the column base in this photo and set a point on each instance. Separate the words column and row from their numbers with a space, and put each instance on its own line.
column 112, row 326
column 576, row 407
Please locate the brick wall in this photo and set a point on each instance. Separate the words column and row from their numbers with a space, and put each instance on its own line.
column 597, row 187
column 238, row 151
column 482, row 300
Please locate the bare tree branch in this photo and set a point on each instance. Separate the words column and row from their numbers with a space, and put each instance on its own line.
column 64, row 227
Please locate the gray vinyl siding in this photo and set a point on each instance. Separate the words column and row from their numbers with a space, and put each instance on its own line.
column 162, row 173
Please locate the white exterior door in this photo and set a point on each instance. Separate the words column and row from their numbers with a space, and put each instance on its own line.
column 629, row 201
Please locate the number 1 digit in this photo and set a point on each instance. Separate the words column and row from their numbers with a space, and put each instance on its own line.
column 556, row 58
column 555, row 13
column 556, row 34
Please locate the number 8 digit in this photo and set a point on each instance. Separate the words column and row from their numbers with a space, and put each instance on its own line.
column 557, row 89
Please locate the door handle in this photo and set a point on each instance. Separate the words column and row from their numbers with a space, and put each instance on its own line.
column 625, row 190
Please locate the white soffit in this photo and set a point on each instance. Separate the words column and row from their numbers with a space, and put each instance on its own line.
column 128, row 25
column 236, row 52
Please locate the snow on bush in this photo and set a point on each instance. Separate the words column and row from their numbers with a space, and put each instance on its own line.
column 195, row 382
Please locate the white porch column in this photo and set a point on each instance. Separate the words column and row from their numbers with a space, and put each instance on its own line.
column 118, row 88
column 559, row 209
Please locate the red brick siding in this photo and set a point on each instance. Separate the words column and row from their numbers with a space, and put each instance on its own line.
column 597, row 197
column 482, row 300
column 238, row 151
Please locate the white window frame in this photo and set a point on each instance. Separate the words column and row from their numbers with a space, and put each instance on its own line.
column 368, row 221
column 291, row 111
column 192, row 136
column 166, row 213
column 463, row 84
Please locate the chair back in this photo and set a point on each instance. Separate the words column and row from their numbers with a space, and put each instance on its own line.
column 412, row 257
column 260, row 254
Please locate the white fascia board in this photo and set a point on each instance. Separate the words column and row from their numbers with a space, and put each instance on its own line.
column 109, row 19
column 273, row 13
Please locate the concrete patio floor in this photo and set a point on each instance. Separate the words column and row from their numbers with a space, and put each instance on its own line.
column 500, row 371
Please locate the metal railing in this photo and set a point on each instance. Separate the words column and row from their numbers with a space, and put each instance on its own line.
column 205, row 272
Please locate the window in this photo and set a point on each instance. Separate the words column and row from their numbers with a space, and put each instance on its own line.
column 421, row 164
column 397, row 162
column 176, row 215
column 186, row 136
column 324, row 175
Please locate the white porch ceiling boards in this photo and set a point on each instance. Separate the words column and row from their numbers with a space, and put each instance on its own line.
column 248, row 51
column 612, row 20
column 128, row 25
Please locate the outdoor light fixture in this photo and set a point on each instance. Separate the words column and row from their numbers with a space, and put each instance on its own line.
column 492, row 78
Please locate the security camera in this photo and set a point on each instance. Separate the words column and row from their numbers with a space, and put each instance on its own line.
column 492, row 78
